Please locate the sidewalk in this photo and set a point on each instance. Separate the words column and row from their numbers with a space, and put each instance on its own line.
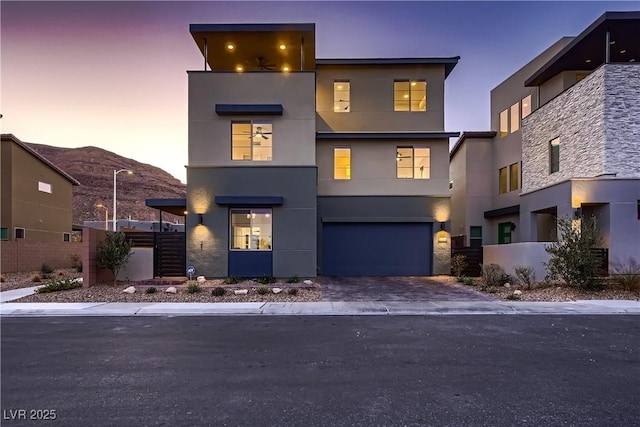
column 374, row 308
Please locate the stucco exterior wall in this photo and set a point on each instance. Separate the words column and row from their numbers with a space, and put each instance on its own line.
column 531, row 254
column 371, row 98
column 139, row 267
column 293, row 133
column 373, row 169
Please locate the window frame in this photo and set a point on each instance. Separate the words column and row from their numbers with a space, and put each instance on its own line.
column 338, row 103
column 410, row 94
column 66, row 237
column 511, row 187
column 554, row 152
column 251, row 123
column 15, row 233
column 45, row 187
column 503, row 187
column 348, row 168
column 413, row 161
column 514, row 110
column 252, row 212
column 529, row 106
column 473, row 238
column 504, row 123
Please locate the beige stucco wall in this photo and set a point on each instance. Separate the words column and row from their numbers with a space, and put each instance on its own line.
column 373, row 169
column 371, row 98
column 293, row 132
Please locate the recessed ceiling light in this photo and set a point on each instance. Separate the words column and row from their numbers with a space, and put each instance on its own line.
column 231, row 46
column 632, row 60
column 282, row 46
column 525, row 104
column 587, row 61
column 612, row 42
column 406, row 96
column 623, row 51
column 239, row 68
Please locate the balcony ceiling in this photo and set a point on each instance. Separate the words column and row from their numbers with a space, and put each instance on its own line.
column 587, row 50
column 256, row 47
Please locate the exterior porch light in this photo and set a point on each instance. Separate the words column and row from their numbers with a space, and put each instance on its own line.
column 200, row 219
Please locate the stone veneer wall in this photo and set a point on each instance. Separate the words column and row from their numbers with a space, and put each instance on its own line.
column 577, row 116
column 622, row 120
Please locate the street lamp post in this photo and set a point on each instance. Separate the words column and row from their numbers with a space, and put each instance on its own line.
column 115, row 173
column 106, row 215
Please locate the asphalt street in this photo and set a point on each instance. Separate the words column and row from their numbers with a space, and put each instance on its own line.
column 321, row 371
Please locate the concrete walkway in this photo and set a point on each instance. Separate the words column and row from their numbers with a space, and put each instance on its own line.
column 324, row 308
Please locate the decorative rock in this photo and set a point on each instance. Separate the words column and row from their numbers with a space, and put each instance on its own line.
column 517, row 292
column 171, row 290
column 507, row 285
column 241, row 292
column 308, row 282
column 201, row 279
column 129, row 290
column 276, row 290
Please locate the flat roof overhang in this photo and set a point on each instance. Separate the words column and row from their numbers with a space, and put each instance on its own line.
column 448, row 62
column 256, row 47
column 591, row 46
column 386, row 135
column 173, row 206
column 496, row 213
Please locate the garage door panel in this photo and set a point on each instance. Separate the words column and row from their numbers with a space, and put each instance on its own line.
column 376, row 249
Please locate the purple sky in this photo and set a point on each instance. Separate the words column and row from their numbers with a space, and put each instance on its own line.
column 113, row 74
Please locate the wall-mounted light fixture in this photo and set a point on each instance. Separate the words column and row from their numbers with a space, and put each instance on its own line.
column 442, row 239
column 577, row 213
column 200, row 219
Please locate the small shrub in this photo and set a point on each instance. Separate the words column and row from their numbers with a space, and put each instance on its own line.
column 265, row 280
column 231, row 280
column 468, row 281
column 627, row 275
column 46, row 269
column 79, row 267
column 525, row 275
column 513, row 297
column 506, row 278
column 218, row 292
column 194, row 288
column 2, row 279
column 151, row 290
column 293, row 279
column 114, row 252
column 490, row 289
column 293, row 291
column 458, row 264
column 36, row 278
column 57, row 285
column 262, row 290
column 492, row 274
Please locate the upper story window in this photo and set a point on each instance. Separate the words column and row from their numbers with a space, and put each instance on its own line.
column 44, row 187
column 554, row 155
column 515, row 117
column 502, row 180
column 341, row 96
column 251, row 229
column 413, row 162
column 514, row 177
column 409, row 95
column 19, row 233
column 504, row 123
column 342, row 163
column 251, row 140
column 526, row 106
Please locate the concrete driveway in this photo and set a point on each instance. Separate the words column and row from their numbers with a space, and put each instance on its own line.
column 437, row 288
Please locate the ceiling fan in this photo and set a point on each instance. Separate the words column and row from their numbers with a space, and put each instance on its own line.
column 258, row 133
column 262, row 63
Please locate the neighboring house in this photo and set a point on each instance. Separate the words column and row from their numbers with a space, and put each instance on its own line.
column 565, row 142
column 37, row 196
column 304, row 166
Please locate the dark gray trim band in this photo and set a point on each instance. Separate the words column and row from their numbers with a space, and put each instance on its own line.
column 386, row 135
column 249, row 200
column 249, row 109
column 510, row 210
column 378, row 219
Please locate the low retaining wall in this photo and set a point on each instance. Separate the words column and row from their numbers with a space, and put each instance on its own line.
column 139, row 267
column 514, row 254
column 29, row 255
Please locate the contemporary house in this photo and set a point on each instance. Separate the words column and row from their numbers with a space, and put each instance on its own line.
column 36, row 195
column 304, row 166
column 565, row 141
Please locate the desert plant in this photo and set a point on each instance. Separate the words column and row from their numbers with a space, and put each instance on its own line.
column 525, row 274
column 492, row 274
column 231, row 280
column 627, row 275
column 265, row 280
column 572, row 258
column 75, row 260
column 262, row 290
column 293, row 291
column 468, row 281
column 194, row 288
column 46, row 269
column 63, row 284
column 218, row 292
column 458, row 264
column 513, row 297
column 490, row 289
column 114, row 252
column 151, row 290
column 293, row 279
column 79, row 267
column 506, row 278
column 36, row 278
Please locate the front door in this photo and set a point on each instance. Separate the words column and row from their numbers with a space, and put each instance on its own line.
column 504, row 232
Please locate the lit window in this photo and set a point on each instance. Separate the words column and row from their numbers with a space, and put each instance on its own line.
column 342, row 163
column 514, row 177
column 515, row 117
column 526, row 106
column 413, row 162
column 554, row 155
column 44, row 187
column 409, row 95
column 251, row 229
column 341, row 96
column 502, row 180
column 251, row 141
column 504, row 123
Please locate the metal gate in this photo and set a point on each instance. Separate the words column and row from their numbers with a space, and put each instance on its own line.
column 169, row 251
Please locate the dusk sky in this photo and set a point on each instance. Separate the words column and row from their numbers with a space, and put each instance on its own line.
column 113, row 74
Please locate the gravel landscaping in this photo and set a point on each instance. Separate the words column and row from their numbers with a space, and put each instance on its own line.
column 25, row 279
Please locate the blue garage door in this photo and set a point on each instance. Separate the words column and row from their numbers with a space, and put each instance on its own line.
column 376, row 249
